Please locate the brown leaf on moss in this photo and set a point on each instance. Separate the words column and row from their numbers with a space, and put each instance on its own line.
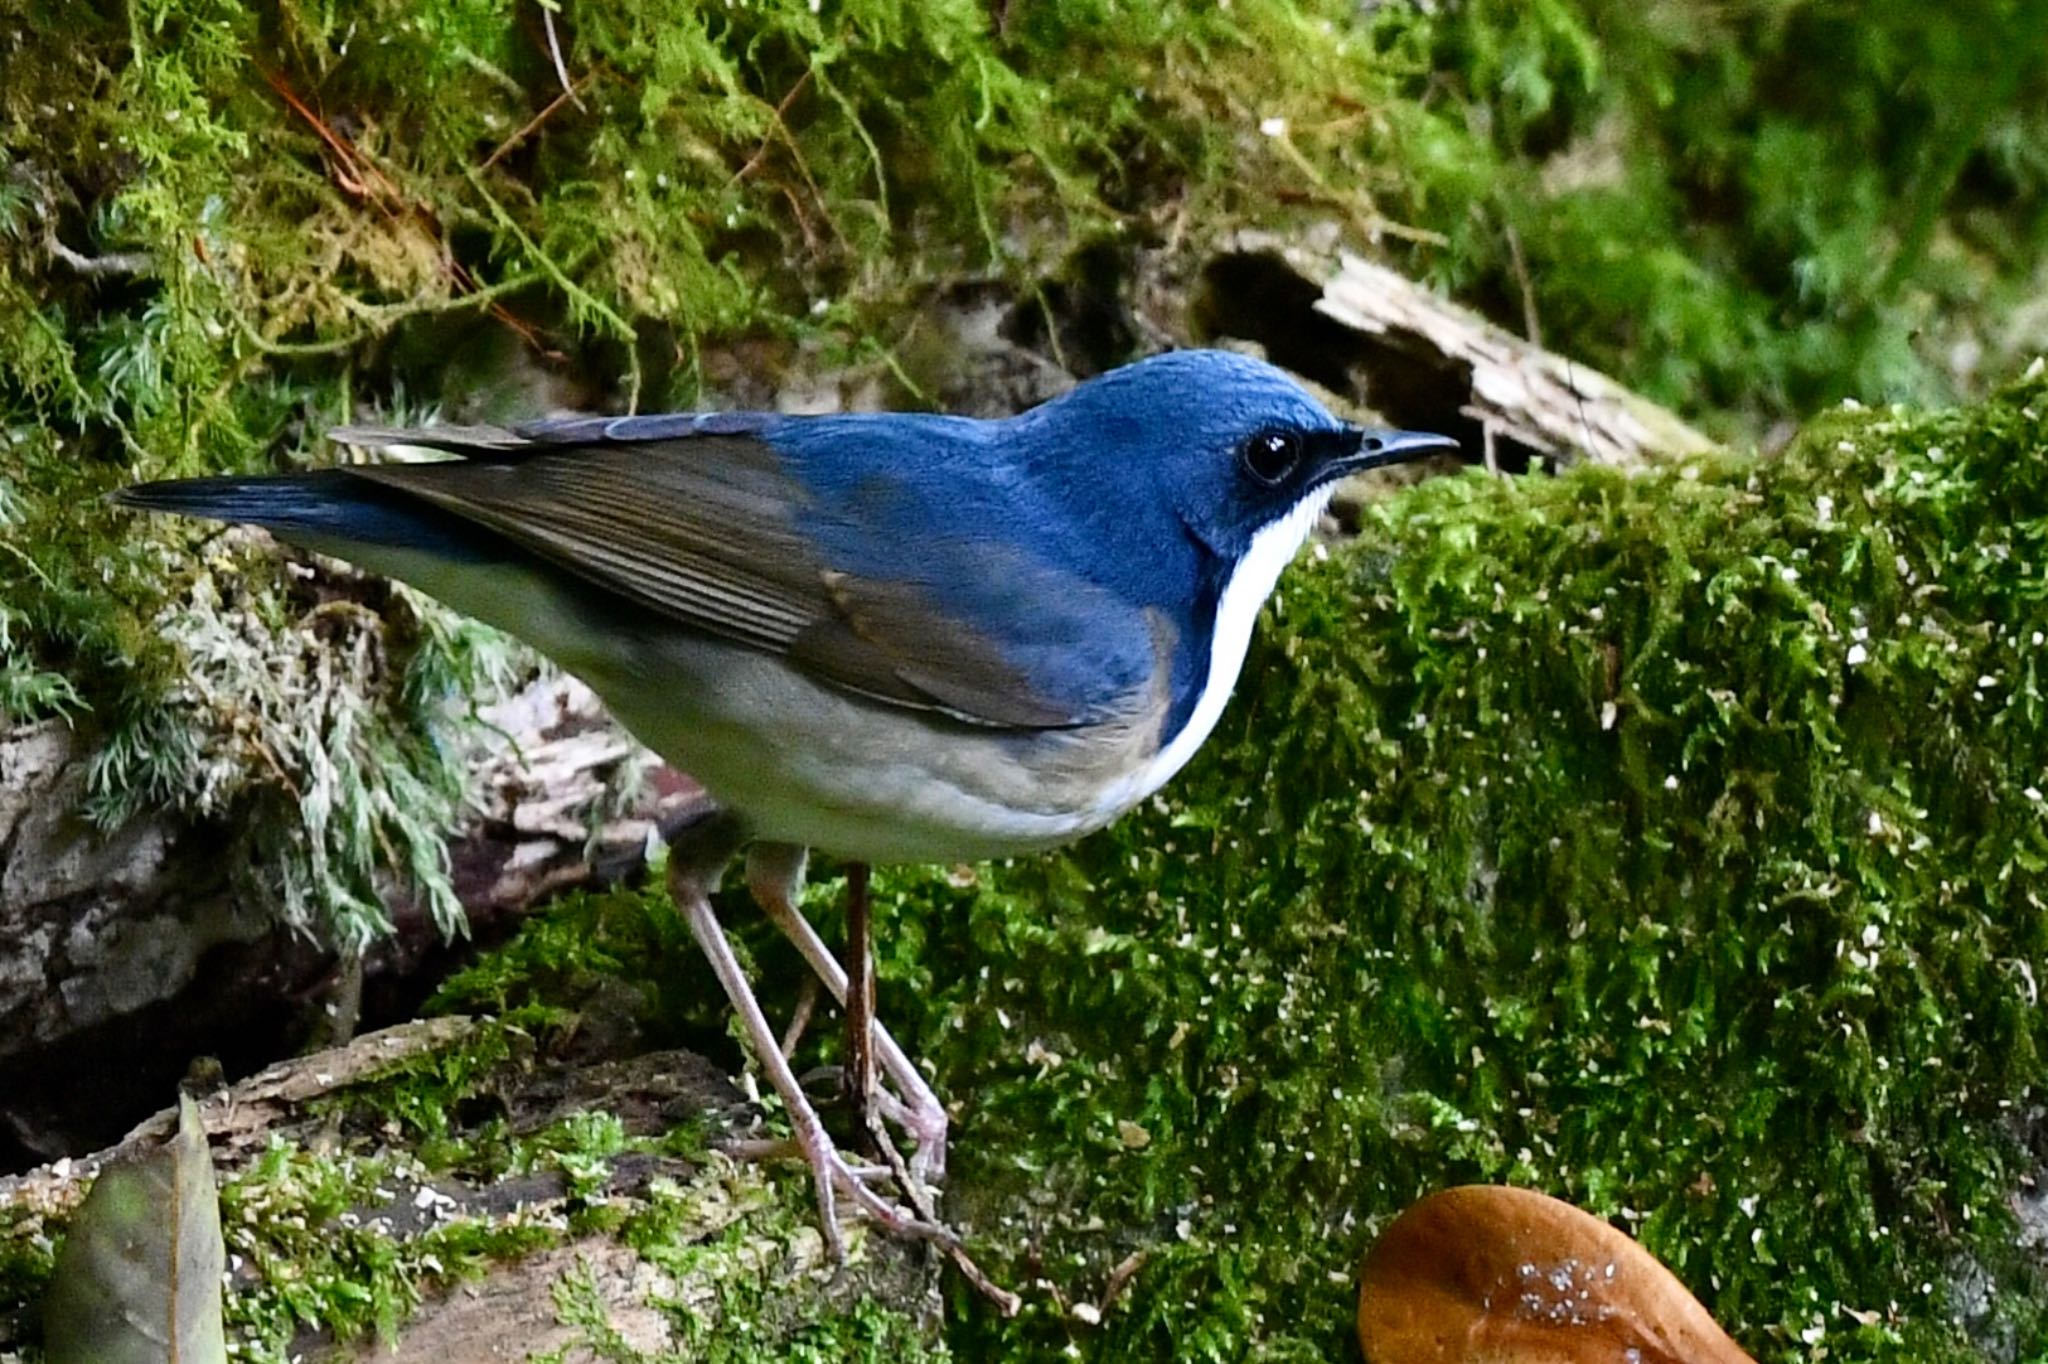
column 1487, row 1275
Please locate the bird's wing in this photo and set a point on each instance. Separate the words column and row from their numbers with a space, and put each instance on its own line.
column 713, row 530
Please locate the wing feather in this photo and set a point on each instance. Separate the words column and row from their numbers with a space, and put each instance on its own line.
column 705, row 531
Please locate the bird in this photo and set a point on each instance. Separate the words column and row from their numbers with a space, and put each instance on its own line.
column 891, row 637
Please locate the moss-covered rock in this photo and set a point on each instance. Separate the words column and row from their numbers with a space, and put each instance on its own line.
column 1667, row 843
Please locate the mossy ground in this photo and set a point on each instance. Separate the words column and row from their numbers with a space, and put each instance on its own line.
column 1669, row 843
column 409, row 1185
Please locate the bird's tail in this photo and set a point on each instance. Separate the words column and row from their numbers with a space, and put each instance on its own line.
column 321, row 509
column 315, row 501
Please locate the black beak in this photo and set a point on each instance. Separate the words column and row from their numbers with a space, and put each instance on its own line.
column 1377, row 448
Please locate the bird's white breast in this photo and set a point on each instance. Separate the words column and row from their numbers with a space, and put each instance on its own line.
column 1237, row 611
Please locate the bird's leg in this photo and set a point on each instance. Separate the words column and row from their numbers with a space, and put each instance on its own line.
column 697, row 858
column 775, row 874
column 859, row 1079
column 806, row 1002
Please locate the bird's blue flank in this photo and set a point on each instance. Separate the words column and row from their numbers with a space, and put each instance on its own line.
column 328, row 503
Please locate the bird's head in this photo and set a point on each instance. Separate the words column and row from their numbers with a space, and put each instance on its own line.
column 1233, row 444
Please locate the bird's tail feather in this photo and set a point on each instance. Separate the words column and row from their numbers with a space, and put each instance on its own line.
column 287, row 502
column 323, row 508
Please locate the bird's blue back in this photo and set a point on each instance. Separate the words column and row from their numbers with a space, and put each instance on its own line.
column 1128, row 483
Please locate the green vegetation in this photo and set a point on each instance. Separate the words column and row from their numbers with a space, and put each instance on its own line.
column 1668, row 843
column 1568, row 831
column 1750, row 209
column 231, row 224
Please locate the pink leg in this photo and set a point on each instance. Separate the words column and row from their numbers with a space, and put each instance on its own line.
column 859, row 965
column 696, row 862
column 775, row 874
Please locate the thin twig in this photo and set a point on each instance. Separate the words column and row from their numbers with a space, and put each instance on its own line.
column 806, row 1002
column 621, row 328
column 578, row 295
column 542, row 117
column 781, row 108
column 336, row 142
column 380, row 317
column 547, row 18
column 112, row 263
column 1531, row 324
column 1120, row 1279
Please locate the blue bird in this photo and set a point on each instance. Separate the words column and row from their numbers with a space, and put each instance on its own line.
column 893, row 637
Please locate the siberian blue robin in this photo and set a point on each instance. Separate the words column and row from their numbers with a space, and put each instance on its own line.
column 894, row 637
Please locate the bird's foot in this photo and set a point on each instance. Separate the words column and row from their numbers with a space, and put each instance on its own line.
column 923, row 1127
column 832, row 1173
column 697, row 859
column 823, row 1084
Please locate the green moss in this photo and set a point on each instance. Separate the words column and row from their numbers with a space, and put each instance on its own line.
column 736, row 1308
column 1752, row 208
column 421, row 1100
column 732, row 1332
column 1665, row 843
column 316, row 1262
column 558, row 960
column 28, row 1256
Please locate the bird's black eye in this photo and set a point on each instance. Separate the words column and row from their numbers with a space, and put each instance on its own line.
column 1271, row 455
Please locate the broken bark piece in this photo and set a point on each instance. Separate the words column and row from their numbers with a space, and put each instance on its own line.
column 1526, row 401
column 1490, row 1275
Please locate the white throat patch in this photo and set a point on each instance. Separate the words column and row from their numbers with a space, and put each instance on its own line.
column 1237, row 611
